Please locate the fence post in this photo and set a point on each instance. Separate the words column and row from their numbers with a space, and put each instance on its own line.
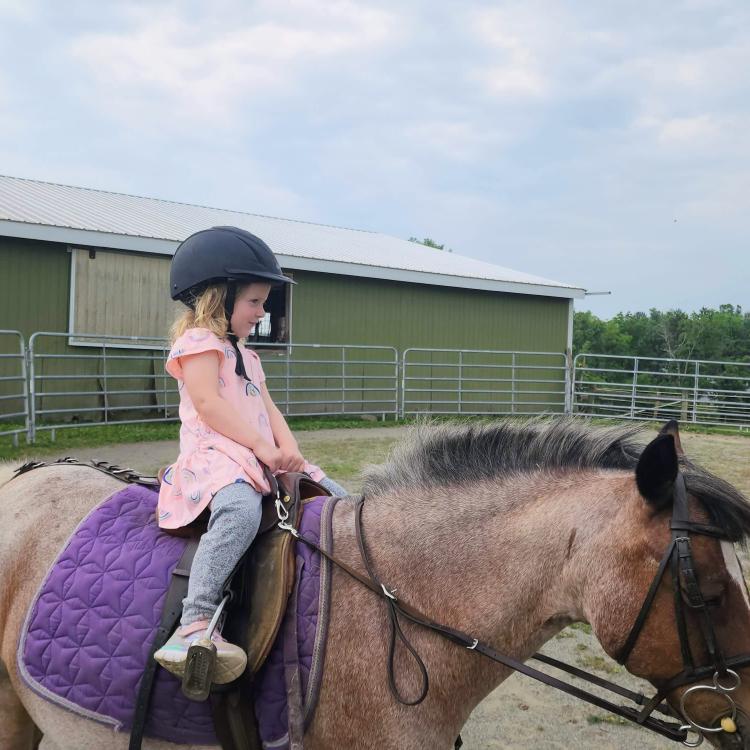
column 634, row 388
column 287, row 406
column 695, row 391
column 25, row 376
column 402, row 410
column 460, row 381
column 343, row 379
column 32, row 391
column 106, row 385
column 513, row 383
column 569, row 382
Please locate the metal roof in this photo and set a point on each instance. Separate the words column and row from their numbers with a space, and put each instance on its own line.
column 81, row 216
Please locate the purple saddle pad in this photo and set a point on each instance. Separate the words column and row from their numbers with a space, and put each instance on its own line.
column 89, row 630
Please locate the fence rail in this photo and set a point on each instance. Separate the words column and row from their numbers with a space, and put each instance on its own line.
column 480, row 381
column 90, row 379
column 98, row 382
column 59, row 381
column 326, row 379
column 706, row 392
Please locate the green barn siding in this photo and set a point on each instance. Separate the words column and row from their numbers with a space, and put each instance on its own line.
column 343, row 309
column 35, row 284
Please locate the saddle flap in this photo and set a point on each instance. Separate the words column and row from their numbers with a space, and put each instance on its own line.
column 265, row 580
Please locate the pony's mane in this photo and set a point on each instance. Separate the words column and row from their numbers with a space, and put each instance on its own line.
column 450, row 454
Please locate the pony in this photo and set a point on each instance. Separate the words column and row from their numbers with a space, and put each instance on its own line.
column 508, row 531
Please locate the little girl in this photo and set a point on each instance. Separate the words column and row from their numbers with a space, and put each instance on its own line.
column 229, row 424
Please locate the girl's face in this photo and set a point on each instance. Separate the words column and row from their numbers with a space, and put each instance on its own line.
column 248, row 308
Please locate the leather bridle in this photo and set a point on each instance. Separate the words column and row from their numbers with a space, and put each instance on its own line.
column 688, row 597
column 678, row 559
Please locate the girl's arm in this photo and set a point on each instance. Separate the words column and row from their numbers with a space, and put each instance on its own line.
column 291, row 458
column 200, row 372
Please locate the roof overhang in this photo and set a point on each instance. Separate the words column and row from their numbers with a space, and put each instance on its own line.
column 157, row 246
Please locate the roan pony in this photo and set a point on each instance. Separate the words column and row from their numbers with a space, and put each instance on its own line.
column 506, row 531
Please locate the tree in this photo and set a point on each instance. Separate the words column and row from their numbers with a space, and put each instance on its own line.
column 709, row 334
column 430, row 243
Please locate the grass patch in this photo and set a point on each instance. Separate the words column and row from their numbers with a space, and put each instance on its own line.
column 599, row 663
column 92, row 437
column 343, row 459
column 88, row 437
column 582, row 626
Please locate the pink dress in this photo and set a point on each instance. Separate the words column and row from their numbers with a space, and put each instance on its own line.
column 208, row 460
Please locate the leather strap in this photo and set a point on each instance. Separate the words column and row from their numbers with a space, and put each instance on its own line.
column 395, row 625
column 169, row 616
column 129, row 476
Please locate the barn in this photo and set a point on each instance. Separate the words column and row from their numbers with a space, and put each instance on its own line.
column 92, row 266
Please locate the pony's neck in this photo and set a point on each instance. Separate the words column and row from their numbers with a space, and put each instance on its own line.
column 510, row 563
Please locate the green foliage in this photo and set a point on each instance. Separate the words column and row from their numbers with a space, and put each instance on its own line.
column 722, row 334
column 430, row 243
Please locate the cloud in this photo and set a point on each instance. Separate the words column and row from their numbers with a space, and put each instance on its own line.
column 515, row 66
column 201, row 71
column 19, row 10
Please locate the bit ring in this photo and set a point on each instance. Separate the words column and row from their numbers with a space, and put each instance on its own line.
column 721, row 688
column 716, row 691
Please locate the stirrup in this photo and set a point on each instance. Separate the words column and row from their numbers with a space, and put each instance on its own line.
column 200, row 663
column 199, row 670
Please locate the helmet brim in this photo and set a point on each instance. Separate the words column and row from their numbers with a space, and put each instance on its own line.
column 241, row 274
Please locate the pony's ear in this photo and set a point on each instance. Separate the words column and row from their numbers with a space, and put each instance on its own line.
column 657, row 470
column 671, row 428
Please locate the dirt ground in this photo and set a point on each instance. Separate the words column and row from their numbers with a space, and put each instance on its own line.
column 520, row 713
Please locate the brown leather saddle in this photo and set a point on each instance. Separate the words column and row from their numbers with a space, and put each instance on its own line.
column 261, row 583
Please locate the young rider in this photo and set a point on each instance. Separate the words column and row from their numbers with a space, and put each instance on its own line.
column 230, row 425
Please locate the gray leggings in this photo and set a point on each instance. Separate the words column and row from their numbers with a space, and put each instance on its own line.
column 232, row 526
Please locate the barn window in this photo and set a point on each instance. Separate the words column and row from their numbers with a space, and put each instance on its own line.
column 275, row 328
column 115, row 293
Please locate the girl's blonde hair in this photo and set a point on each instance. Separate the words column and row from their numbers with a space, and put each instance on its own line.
column 208, row 312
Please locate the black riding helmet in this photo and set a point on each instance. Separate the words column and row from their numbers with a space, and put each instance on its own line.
column 222, row 255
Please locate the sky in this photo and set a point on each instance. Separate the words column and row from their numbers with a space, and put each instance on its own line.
column 602, row 144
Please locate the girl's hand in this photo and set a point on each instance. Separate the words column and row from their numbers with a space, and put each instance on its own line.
column 291, row 458
column 269, row 454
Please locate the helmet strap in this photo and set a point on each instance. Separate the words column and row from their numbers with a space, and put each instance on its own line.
column 239, row 363
column 229, row 301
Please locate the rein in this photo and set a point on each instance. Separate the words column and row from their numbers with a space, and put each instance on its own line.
column 678, row 558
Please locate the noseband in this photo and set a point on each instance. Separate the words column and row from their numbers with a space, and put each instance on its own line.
column 687, row 597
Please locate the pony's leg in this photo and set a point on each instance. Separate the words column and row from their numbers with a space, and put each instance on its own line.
column 17, row 730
